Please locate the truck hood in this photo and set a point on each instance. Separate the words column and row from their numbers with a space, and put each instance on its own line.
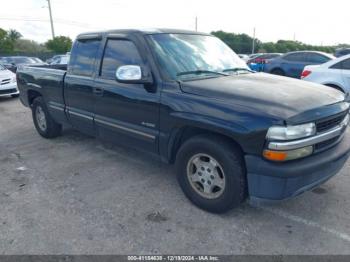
column 278, row 96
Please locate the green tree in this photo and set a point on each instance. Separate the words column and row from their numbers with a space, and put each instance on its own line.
column 6, row 44
column 29, row 46
column 60, row 44
column 240, row 43
column 14, row 35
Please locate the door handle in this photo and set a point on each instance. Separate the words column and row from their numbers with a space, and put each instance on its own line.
column 98, row 91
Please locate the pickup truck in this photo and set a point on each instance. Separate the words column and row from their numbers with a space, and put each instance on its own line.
column 187, row 98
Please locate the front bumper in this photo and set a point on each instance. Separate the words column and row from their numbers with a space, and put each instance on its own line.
column 278, row 181
column 9, row 89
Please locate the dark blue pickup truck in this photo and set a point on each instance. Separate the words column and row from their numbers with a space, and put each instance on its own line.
column 187, row 98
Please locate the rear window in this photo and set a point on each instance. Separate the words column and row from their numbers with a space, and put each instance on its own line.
column 317, row 58
column 83, row 57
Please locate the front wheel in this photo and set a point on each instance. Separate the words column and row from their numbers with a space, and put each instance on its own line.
column 44, row 123
column 210, row 171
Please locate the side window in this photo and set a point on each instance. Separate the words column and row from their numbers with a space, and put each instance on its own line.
column 317, row 58
column 117, row 53
column 84, row 54
column 337, row 65
column 346, row 64
column 296, row 57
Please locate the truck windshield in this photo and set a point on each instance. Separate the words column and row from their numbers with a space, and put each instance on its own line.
column 189, row 56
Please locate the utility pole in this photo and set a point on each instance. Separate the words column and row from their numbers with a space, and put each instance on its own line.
column 253, row 46
column 196, row 24
column 51, row 20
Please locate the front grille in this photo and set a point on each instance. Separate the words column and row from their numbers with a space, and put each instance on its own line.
column 8, row 91
column 330, row 122
column 5, row 81
column 326, row 144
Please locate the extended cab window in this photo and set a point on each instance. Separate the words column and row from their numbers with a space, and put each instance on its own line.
column 117, row 53
column 83, row 57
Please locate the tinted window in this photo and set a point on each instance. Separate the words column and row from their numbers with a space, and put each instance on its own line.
column 84, row 53
column 299, row 57
column 317, row 58
column 117, row 53
column 346, row 64
column 337, row 66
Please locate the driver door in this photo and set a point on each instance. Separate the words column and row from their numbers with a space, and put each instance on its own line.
column 126, row 113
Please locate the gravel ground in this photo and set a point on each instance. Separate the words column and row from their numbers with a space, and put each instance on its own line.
column 77, row 195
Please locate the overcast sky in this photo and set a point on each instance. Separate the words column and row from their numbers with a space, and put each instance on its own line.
column 315, row 22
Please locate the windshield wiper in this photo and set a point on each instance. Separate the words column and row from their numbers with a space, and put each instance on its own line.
column 199, row 72
column 236, row 69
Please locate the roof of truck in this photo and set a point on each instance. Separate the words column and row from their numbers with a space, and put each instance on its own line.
column 145, row 31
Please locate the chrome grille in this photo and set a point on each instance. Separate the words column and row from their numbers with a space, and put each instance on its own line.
column 330, row 122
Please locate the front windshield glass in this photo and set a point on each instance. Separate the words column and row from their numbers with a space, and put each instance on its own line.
column 187, row 56
column 2, row 67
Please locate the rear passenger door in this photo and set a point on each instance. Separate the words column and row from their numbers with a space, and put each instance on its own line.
column 125, row 113
column 79, row 82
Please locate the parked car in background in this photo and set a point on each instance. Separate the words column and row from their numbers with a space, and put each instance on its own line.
column 292, row 64
column 60, row 60
column 262, row 58
column 335, row 73
column 341, row 52
column 8, row 83
column 257, row 63
column 12, row 62
column 37, row 60
column 244, row 57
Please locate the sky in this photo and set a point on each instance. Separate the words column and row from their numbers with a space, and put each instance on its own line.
column 321, row 22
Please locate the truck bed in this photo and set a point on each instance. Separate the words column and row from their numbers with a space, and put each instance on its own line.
column 46, row 79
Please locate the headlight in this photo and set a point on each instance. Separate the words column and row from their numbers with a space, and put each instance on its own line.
column 291, row 132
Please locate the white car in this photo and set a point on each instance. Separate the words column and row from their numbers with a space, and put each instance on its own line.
column 8, row 83
column 335, row 73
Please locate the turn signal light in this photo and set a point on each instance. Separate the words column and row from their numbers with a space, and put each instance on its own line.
column 275, row 155
column 280, row 156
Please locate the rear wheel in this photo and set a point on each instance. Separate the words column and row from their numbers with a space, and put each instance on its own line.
column 44, row 123
column 211, row 173
column 278, row 71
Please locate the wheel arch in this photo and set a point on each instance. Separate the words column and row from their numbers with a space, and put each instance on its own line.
column 336, row 86
column 31, row 95
column 180, row 135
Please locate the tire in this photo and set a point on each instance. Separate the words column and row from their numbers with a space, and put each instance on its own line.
column 15, row 95
column 43, row 122
column 278, row 71
column 232, row 176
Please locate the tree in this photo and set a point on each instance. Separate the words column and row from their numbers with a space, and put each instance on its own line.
column 29, row 46
column 240, row 43
column 60, row 44
column 14, row 35
column 6, row 44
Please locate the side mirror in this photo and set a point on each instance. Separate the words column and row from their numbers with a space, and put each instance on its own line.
column 133, row 74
